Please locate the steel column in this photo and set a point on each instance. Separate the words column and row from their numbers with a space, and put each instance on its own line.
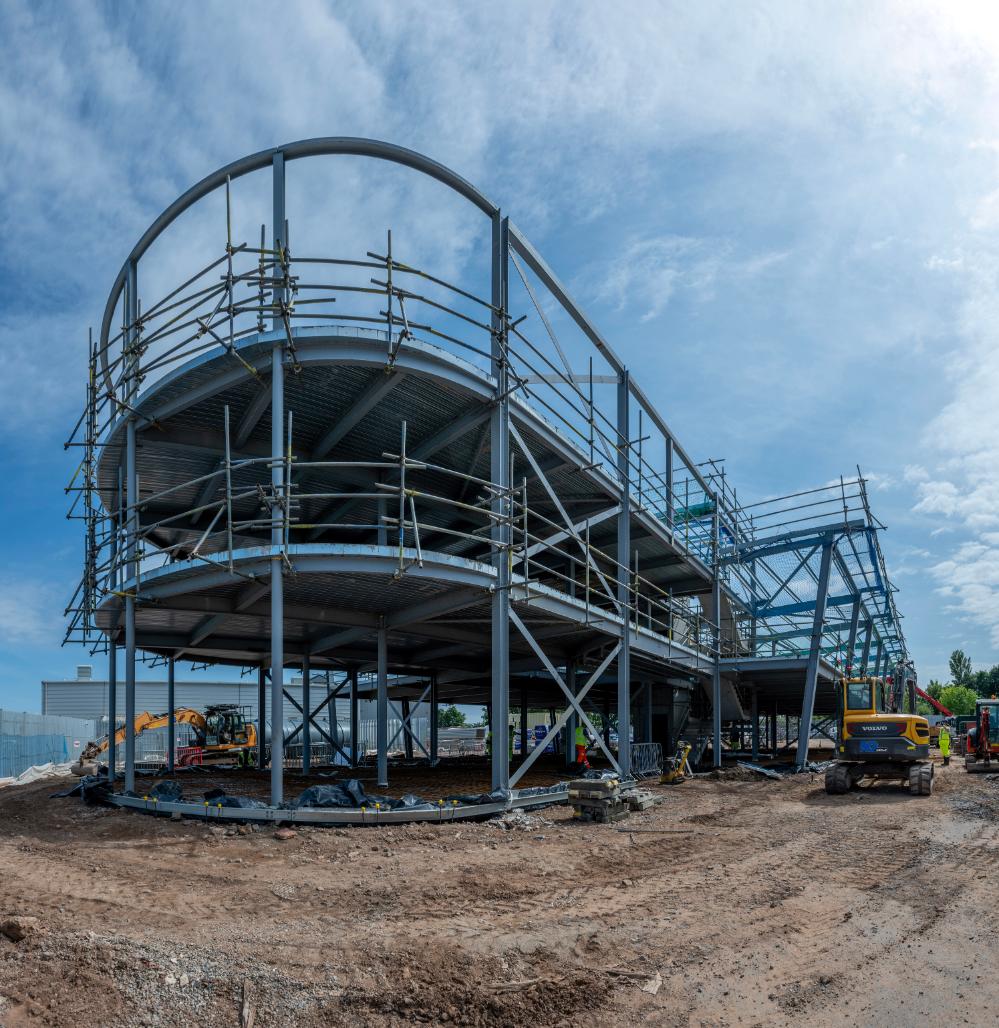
column 434, row 713
column 755, row 714
column 624, row 574
column 381, row 715
column 132, row 524
column 261, row 718
column 572, row 722
column 716, row 747
column 499, row 474
column 277, row 490
column 112, row 708
column 523, row 722
column 814, row 654
column 355, row 721
column 672, row 739
column 307, row 714
column 113, row 649
column 670, row 510
column 171, row 710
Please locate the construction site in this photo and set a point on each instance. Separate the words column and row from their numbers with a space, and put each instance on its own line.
column 701, row 793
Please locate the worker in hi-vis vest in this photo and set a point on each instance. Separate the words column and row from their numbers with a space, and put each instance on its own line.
column 581, row 747
column 945, row 744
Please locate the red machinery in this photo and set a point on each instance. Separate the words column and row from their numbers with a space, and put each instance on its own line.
column 983, row 737
column 938, row 707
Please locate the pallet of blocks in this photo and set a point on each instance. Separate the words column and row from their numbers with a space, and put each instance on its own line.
column 598, row 799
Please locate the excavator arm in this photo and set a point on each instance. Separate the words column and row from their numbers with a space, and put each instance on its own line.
column 938, row 707
column 146, row 722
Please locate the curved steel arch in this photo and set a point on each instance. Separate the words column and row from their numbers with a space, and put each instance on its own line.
column 356, row 146
column 323, row 146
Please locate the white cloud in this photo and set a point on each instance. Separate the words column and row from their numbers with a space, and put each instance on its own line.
column 26, row 613
column 646, row 274
column 854, row 143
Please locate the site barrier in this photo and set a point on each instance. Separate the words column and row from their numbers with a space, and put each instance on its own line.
column 28, row 739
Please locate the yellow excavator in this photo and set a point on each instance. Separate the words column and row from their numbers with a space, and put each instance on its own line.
column 874, row 743
column 221, row 733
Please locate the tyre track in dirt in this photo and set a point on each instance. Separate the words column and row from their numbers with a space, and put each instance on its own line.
column 756, row 902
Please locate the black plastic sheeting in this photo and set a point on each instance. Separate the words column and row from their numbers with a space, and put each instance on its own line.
column 168, row 791
column 349, row 795
column 94, row 789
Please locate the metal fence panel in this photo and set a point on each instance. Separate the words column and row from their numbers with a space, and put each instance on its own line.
column 28, row 739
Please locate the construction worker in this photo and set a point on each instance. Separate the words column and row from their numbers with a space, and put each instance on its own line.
column 581, row 742
column 944, row 744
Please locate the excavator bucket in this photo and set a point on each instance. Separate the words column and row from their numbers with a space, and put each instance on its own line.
column 975, row 766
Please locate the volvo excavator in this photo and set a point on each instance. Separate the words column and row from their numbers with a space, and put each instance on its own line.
column 875, row 743
column 222, row 733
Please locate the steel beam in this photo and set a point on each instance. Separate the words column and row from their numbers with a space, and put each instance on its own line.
column 574, row 701
column 359, row 408
column 574, row 532
column 851, row 646
column 255, row 410
column 442, row 438
column 866, row 656
column 575, row 704
column 814, row 653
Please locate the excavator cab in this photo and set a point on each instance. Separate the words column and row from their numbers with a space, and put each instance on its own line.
column 864, row 696
column 225, row 725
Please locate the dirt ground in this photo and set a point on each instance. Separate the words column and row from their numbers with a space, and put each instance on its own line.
column 734, row 902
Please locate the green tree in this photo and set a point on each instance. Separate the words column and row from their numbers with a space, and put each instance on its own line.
column 934, row 689
column 993, row 681
column 959, row 699
column 960, row 668
column 450, row 717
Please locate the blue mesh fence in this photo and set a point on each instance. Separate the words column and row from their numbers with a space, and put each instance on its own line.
column 19, row 752
column 29, row 739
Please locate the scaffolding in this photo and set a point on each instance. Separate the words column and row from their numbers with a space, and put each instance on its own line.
column 354, row 467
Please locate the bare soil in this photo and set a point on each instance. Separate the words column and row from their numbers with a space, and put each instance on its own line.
column 738, row 901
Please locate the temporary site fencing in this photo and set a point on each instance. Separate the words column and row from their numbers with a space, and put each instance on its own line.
column 29, row 739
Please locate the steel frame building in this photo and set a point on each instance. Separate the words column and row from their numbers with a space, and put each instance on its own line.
column 348, row 464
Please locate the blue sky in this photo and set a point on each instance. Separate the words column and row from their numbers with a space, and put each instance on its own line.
column 783, row 215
